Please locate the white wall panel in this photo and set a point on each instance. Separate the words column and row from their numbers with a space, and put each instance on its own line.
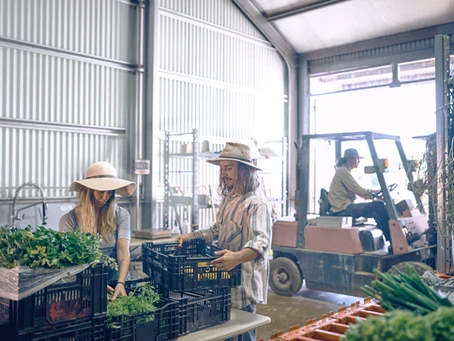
column 53, row 159
column 70, row 92
column 101, row 28
column 49, row 88
column 222, row 14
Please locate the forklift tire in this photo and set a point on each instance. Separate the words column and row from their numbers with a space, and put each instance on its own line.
column 420, row 267
column 285, row 277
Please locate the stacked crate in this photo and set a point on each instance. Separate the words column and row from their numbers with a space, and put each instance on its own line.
column 74, row 308
column 331, row 327
column 186, row 275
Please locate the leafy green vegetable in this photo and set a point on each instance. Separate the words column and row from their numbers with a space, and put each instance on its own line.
column 139, row 301
column 397, row 325
column 44, row 247
column 442, row 322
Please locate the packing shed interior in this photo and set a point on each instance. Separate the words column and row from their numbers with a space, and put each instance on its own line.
column 158, row 87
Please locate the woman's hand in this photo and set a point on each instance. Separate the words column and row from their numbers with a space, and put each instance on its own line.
column 118, row 291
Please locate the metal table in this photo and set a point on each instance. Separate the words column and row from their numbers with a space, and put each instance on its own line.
column 240, row 322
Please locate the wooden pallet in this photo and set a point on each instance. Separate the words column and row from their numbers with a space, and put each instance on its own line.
column 331, row 327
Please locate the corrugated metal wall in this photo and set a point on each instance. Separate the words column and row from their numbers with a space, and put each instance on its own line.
column 69, row 91
column 219, row 75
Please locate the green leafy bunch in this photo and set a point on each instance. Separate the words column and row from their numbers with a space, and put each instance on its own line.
column 404, row 325
column 140, row 301
column 44, row 247
column 397, row 325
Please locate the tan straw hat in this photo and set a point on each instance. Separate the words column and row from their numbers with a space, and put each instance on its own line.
column 236, row 152
column 102, row 176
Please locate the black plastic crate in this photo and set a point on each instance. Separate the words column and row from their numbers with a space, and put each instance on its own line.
column 165, row 324
column 93, row 330
column 203, row 309
column 187, row 268
column 73, row 299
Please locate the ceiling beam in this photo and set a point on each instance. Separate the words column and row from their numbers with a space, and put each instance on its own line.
column 302, row 9
column 268, row 30
column 399, row 38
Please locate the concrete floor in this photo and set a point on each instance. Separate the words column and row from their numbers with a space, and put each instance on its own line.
column 307, row 304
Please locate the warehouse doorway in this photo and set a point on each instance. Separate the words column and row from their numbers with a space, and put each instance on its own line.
column 361, row 101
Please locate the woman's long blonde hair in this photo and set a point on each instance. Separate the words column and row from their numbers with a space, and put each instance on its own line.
column 103, row 223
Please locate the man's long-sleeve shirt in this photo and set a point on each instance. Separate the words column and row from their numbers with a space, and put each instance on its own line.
column 244, row 221
column 344, row 189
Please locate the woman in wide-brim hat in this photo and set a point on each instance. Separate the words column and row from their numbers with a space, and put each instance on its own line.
column 98, row 212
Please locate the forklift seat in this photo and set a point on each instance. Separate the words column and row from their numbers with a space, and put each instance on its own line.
column 325, row 208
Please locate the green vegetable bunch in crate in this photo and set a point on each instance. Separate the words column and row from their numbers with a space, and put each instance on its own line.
column 407, row 291
column 44, row 247
column 142, row 315
column 187, row 268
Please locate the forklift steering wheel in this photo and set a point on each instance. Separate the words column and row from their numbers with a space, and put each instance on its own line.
column 391, row 188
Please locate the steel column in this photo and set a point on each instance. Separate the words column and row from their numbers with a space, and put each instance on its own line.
column 150, row 95
column 444, row 244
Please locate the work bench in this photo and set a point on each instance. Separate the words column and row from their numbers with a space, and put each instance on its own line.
column 240, row 322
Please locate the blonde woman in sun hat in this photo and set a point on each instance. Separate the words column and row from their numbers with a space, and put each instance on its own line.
column 98, row 212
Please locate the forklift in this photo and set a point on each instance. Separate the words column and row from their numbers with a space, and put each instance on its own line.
column 338, row 254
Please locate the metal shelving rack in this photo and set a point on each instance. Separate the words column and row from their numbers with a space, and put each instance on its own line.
column 170, row 200
column 280, row 200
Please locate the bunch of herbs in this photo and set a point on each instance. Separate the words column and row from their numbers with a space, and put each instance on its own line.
column 140, row 301
column 44, row 247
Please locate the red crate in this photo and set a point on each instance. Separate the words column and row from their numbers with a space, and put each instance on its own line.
column 72, row 300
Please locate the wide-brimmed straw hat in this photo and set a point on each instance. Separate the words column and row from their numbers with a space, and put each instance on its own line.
column 102, row 176
column 352, row 153
column 236, row 152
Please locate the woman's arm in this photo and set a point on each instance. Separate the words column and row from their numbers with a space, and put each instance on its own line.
column 123, row 255
column 123, row 260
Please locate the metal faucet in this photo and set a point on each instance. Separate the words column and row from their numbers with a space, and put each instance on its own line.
column 16, row 216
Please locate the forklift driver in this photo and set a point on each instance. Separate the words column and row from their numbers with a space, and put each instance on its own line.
column 343, row 191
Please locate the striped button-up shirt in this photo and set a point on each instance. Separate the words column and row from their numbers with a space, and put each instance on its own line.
column 244, row 221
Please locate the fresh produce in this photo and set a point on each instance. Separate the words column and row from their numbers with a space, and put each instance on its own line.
column 405, row 291
column 404, row 325
column 142, row 300
column 44, row 247
column 442, row 321
column 397, row 325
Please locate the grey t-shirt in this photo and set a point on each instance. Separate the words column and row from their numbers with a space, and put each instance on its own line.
column 68, row 223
